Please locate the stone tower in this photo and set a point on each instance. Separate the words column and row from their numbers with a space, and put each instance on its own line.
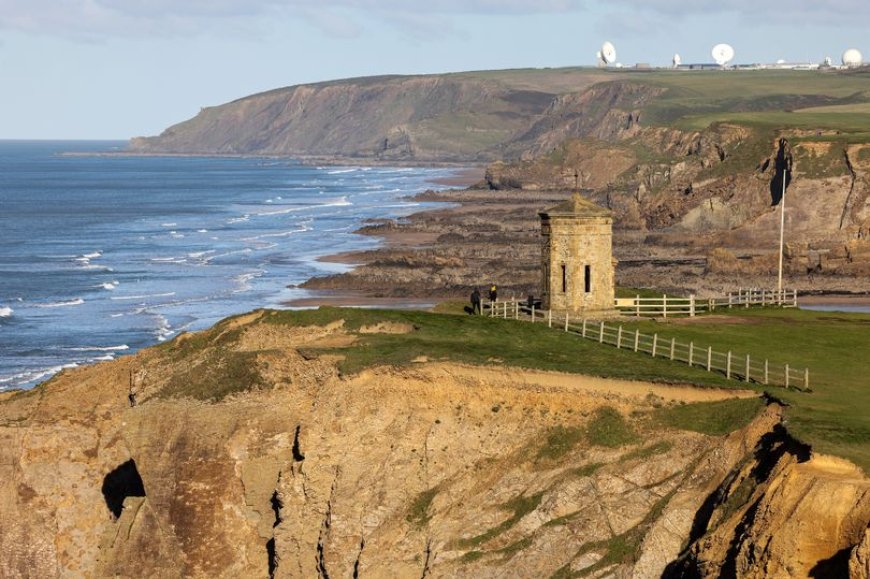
column 577, row 257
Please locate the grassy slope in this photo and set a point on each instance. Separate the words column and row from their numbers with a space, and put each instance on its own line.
column 694, row 100
column 483, row 340
column 835, row 417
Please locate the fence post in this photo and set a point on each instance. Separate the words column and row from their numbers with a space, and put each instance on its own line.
column 636, row 339
column 692, row 306
column 584, row 327
column 673, row 343
column 794, row 298
column 549, row 318
column 786, row 376
column 601, row 333
column 566, row 320
column 709, row 358
column 619, row 338
column 516, row 310
column 747, row 299
column 665, row 306
column 729, row 300
column 533, row 313
column 728, row 365
column 505, row 310
column 691, row 351
column 711, row 305
column 806, row 378
column 765, row 372
column 637, row 306
column 747, row 367
column 655, row 343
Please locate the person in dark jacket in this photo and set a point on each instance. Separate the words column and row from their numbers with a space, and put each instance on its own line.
column 493, row 293
column 475, row 301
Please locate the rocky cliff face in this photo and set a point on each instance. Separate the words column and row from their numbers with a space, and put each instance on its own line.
column 719, row 188
column 427, row 118
column 243, row 451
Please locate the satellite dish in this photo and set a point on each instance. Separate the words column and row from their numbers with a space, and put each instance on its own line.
column 723, row 54
column 853, row 57
column 608, row 53
column 677, row 60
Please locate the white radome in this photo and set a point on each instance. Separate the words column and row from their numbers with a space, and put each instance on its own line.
column 608, row 52
column 722, row 54
column 677, row 60
column 853, row 57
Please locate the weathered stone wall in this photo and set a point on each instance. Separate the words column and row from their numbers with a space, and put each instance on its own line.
column 583, row 246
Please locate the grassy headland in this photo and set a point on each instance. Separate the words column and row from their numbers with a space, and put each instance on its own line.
column 834, row 417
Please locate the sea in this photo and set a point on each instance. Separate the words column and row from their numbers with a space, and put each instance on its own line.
column 102, row 255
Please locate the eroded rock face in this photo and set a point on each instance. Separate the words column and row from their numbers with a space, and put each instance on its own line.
column 265, row 461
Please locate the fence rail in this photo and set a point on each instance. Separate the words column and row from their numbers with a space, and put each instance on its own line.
column 742, row 367
column 665, row 305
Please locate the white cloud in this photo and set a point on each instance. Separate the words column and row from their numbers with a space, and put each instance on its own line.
column 100, row 18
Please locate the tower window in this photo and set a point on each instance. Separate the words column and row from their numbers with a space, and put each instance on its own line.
column 587, row 278
column 564, row 278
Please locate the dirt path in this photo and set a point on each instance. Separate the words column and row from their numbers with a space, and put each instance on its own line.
column 540, row 381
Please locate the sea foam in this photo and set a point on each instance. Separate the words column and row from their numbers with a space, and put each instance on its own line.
column 66, row 304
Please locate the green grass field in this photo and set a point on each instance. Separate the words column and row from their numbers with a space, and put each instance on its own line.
column 492, row 341
column 762, row 99
column 834, row 417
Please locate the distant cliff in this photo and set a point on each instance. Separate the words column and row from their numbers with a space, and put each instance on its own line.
column 459, row 117
column 510, row 114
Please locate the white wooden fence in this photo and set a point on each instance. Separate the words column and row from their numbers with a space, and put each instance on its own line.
column 665, row 305
column 743, row 367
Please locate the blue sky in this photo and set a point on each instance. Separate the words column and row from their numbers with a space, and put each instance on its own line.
column 114, row 69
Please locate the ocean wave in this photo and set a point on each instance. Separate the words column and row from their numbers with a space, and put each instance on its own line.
column 198, row 254
column 66, row 304
column 175, row 260
column 244, row 279
column 109, row 285
column 6, row 311
column 143, row 296
column 340, row 202
column 202, row 230
column 86, row 258
column 302, row 229
column 341, row 171
column 241, row 219
column 168, row 224
column 120, row 348
column 34, row 375
column 164, row 328
column 227, row 254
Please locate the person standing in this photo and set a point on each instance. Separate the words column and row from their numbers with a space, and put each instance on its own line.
column 475, row 302
column 493, row 293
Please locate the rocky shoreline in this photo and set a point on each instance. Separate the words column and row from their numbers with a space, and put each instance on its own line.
column 482, row 236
